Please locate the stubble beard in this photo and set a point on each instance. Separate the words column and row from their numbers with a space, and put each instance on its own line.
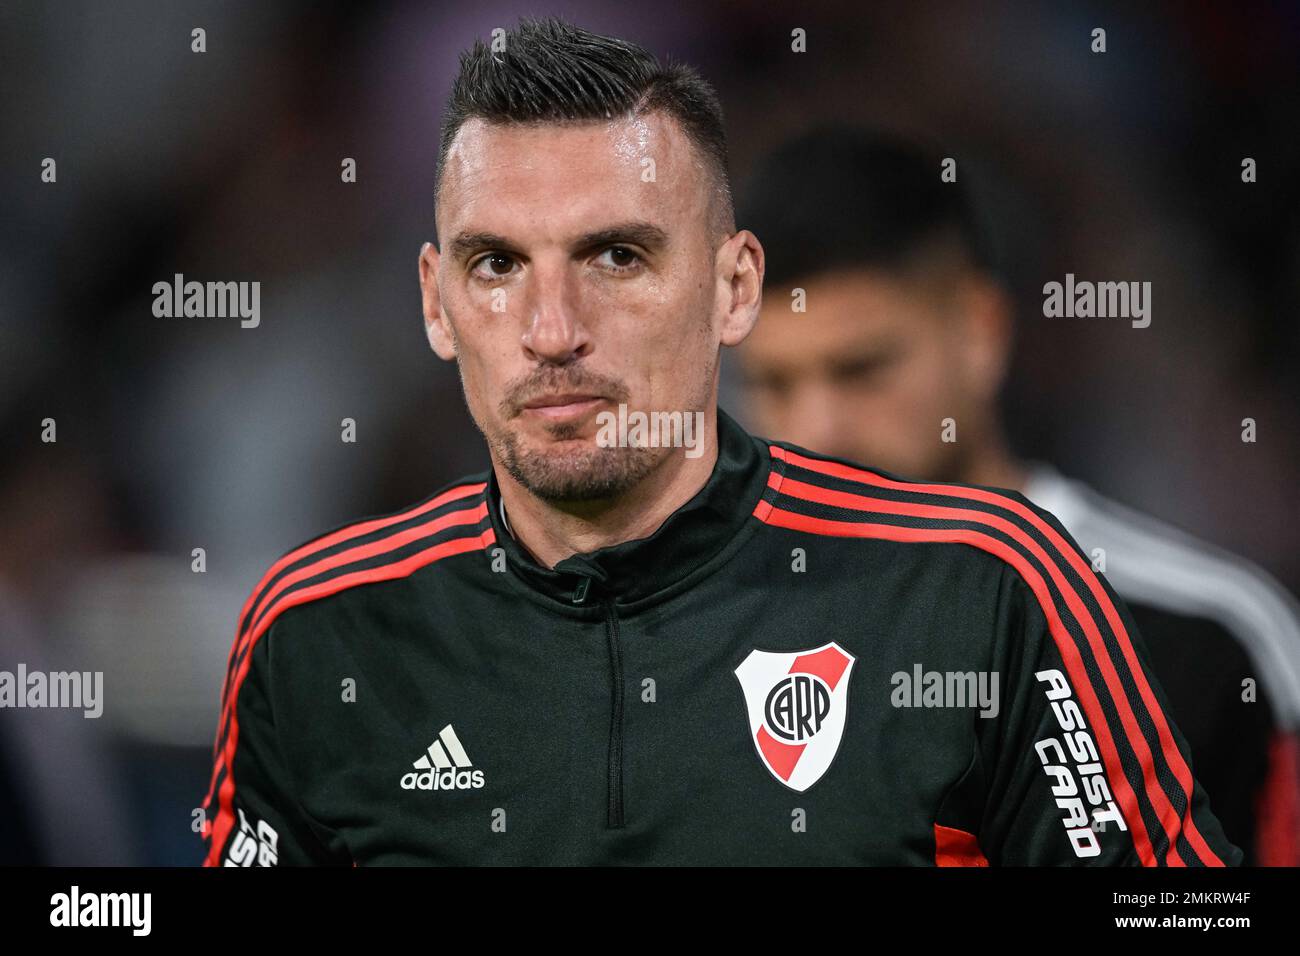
column 579, row 471
column 575, row 473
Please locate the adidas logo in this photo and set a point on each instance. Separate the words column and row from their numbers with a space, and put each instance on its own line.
column 445, row 766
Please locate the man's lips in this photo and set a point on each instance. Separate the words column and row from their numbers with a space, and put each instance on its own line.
column 562, row 406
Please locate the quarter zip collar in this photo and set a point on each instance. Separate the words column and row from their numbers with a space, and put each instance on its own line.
column 689, row 538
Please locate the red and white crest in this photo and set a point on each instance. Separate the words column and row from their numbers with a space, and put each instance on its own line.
column 797, row 703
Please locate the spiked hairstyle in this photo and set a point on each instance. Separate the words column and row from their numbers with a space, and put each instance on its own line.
column 549, row 71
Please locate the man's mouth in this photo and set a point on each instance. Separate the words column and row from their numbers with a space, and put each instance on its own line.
column 562, row 406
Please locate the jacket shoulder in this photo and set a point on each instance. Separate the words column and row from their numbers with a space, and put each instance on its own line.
column 825, row 495
column 452, row 520
column 1155, row 565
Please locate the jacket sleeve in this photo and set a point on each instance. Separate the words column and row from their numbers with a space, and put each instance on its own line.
column 251, row 816
column 1084, row 764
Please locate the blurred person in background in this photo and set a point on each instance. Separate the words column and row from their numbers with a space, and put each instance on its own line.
column 53, row 523
column 885, row 338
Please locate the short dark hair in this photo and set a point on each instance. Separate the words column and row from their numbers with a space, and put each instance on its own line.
column 553, row 71
column 845, row 197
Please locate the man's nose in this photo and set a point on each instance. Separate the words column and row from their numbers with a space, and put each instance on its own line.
column 554, row 331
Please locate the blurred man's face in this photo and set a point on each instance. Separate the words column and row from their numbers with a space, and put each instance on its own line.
column 576, row 272
column 871, row 369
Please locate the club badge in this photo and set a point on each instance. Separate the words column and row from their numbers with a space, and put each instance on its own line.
column 797, row 704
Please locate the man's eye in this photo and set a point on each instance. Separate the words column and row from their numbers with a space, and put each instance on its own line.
column 494, row 266
column 618, row 258
column 862, row 370
column 771, row 382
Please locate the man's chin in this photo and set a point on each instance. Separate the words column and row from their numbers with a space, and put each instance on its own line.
column 575, row 469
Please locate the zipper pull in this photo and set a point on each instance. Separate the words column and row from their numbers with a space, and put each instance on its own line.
column 580, row 592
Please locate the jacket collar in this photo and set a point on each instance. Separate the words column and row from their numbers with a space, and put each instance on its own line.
column 689, row 538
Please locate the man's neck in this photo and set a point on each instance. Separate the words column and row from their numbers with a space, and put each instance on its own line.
column 551, row 532
column 995, row 465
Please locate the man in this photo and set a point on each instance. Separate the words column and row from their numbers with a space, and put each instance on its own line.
column 906, row 333
column 644, row 636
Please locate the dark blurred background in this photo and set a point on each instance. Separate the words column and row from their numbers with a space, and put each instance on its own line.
column 184, row 433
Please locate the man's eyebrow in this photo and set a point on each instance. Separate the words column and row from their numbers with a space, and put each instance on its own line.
column 467, row 243
column 645, row 234
column 636, row 232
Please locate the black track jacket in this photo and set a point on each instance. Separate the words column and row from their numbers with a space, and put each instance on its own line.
column 810, row 662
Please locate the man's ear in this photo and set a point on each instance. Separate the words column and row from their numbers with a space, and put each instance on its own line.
column 988, row 333
column 436, row 324
column 739, row 269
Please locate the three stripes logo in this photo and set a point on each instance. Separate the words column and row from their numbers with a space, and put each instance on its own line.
column 444, row 766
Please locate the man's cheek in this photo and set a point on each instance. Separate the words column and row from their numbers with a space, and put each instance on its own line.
column 639, row 348
column 481, row 392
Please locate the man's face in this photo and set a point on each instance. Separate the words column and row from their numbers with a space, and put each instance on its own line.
column 869, row 372
column 576, row 272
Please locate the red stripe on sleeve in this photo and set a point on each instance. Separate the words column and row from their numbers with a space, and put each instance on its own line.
column 226, row 815
column 1168, row 747
column 465, row 516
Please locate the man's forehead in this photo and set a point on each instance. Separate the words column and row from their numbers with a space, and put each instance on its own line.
column 483, row 145
column 627, row 167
